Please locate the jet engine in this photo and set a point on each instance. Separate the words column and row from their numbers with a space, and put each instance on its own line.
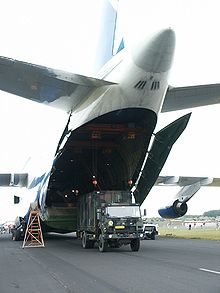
column 176, row 210
column 179, row 206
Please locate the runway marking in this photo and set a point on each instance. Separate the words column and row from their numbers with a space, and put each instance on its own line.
column 209, row 271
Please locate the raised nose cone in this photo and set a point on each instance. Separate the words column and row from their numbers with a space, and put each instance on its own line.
column 156, row 53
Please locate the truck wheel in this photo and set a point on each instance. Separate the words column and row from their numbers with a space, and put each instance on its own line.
column 102, row 244
column 91, row 244
column 85, row 242
column 153, row 236
column 135, row 244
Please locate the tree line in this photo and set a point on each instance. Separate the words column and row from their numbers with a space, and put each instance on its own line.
column 212, row 213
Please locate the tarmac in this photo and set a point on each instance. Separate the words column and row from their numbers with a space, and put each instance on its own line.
column 164, row 265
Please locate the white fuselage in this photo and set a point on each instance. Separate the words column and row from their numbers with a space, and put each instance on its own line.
column 141, row 80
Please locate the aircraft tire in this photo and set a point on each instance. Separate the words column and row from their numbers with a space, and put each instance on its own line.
column 16, row 235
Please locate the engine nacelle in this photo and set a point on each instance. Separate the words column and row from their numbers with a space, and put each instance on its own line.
column 178, row 209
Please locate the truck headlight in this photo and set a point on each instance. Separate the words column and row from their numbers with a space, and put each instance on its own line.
column 110, row 223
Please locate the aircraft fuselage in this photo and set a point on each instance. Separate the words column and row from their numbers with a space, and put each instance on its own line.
column 109, row 131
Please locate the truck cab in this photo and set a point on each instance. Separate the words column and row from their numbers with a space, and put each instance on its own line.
column 110, row 219
column 150, row 231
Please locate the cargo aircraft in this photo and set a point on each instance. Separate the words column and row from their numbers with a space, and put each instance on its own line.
column 109, row 142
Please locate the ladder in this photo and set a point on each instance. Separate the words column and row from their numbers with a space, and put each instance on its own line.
column 33, row 234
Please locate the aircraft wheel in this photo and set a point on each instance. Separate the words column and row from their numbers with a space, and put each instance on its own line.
column 17, row 235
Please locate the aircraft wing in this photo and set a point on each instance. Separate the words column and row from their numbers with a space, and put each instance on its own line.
column 179, row 98
column 13, row 180
column 45, row 85
column 189, row 187
column 186, row 180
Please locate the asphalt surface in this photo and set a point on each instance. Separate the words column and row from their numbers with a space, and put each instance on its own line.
column 163, row 265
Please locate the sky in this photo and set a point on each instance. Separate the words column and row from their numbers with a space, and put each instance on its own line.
column 62, row 35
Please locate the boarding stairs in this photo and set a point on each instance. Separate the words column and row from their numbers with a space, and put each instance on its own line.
column 33, row 235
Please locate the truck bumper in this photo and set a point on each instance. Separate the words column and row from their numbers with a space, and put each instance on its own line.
column 121, row 236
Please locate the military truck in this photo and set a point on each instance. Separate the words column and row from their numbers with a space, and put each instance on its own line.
column 110, row 219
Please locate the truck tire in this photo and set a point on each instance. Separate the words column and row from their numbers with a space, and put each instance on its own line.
column 91, row 244
column 102, row 244
column 135, row 244
column 85, row 241
column 153, row 236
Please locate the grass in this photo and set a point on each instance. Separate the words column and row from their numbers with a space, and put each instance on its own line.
column 209, row 234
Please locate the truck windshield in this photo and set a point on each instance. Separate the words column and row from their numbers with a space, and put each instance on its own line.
column 124, row 211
